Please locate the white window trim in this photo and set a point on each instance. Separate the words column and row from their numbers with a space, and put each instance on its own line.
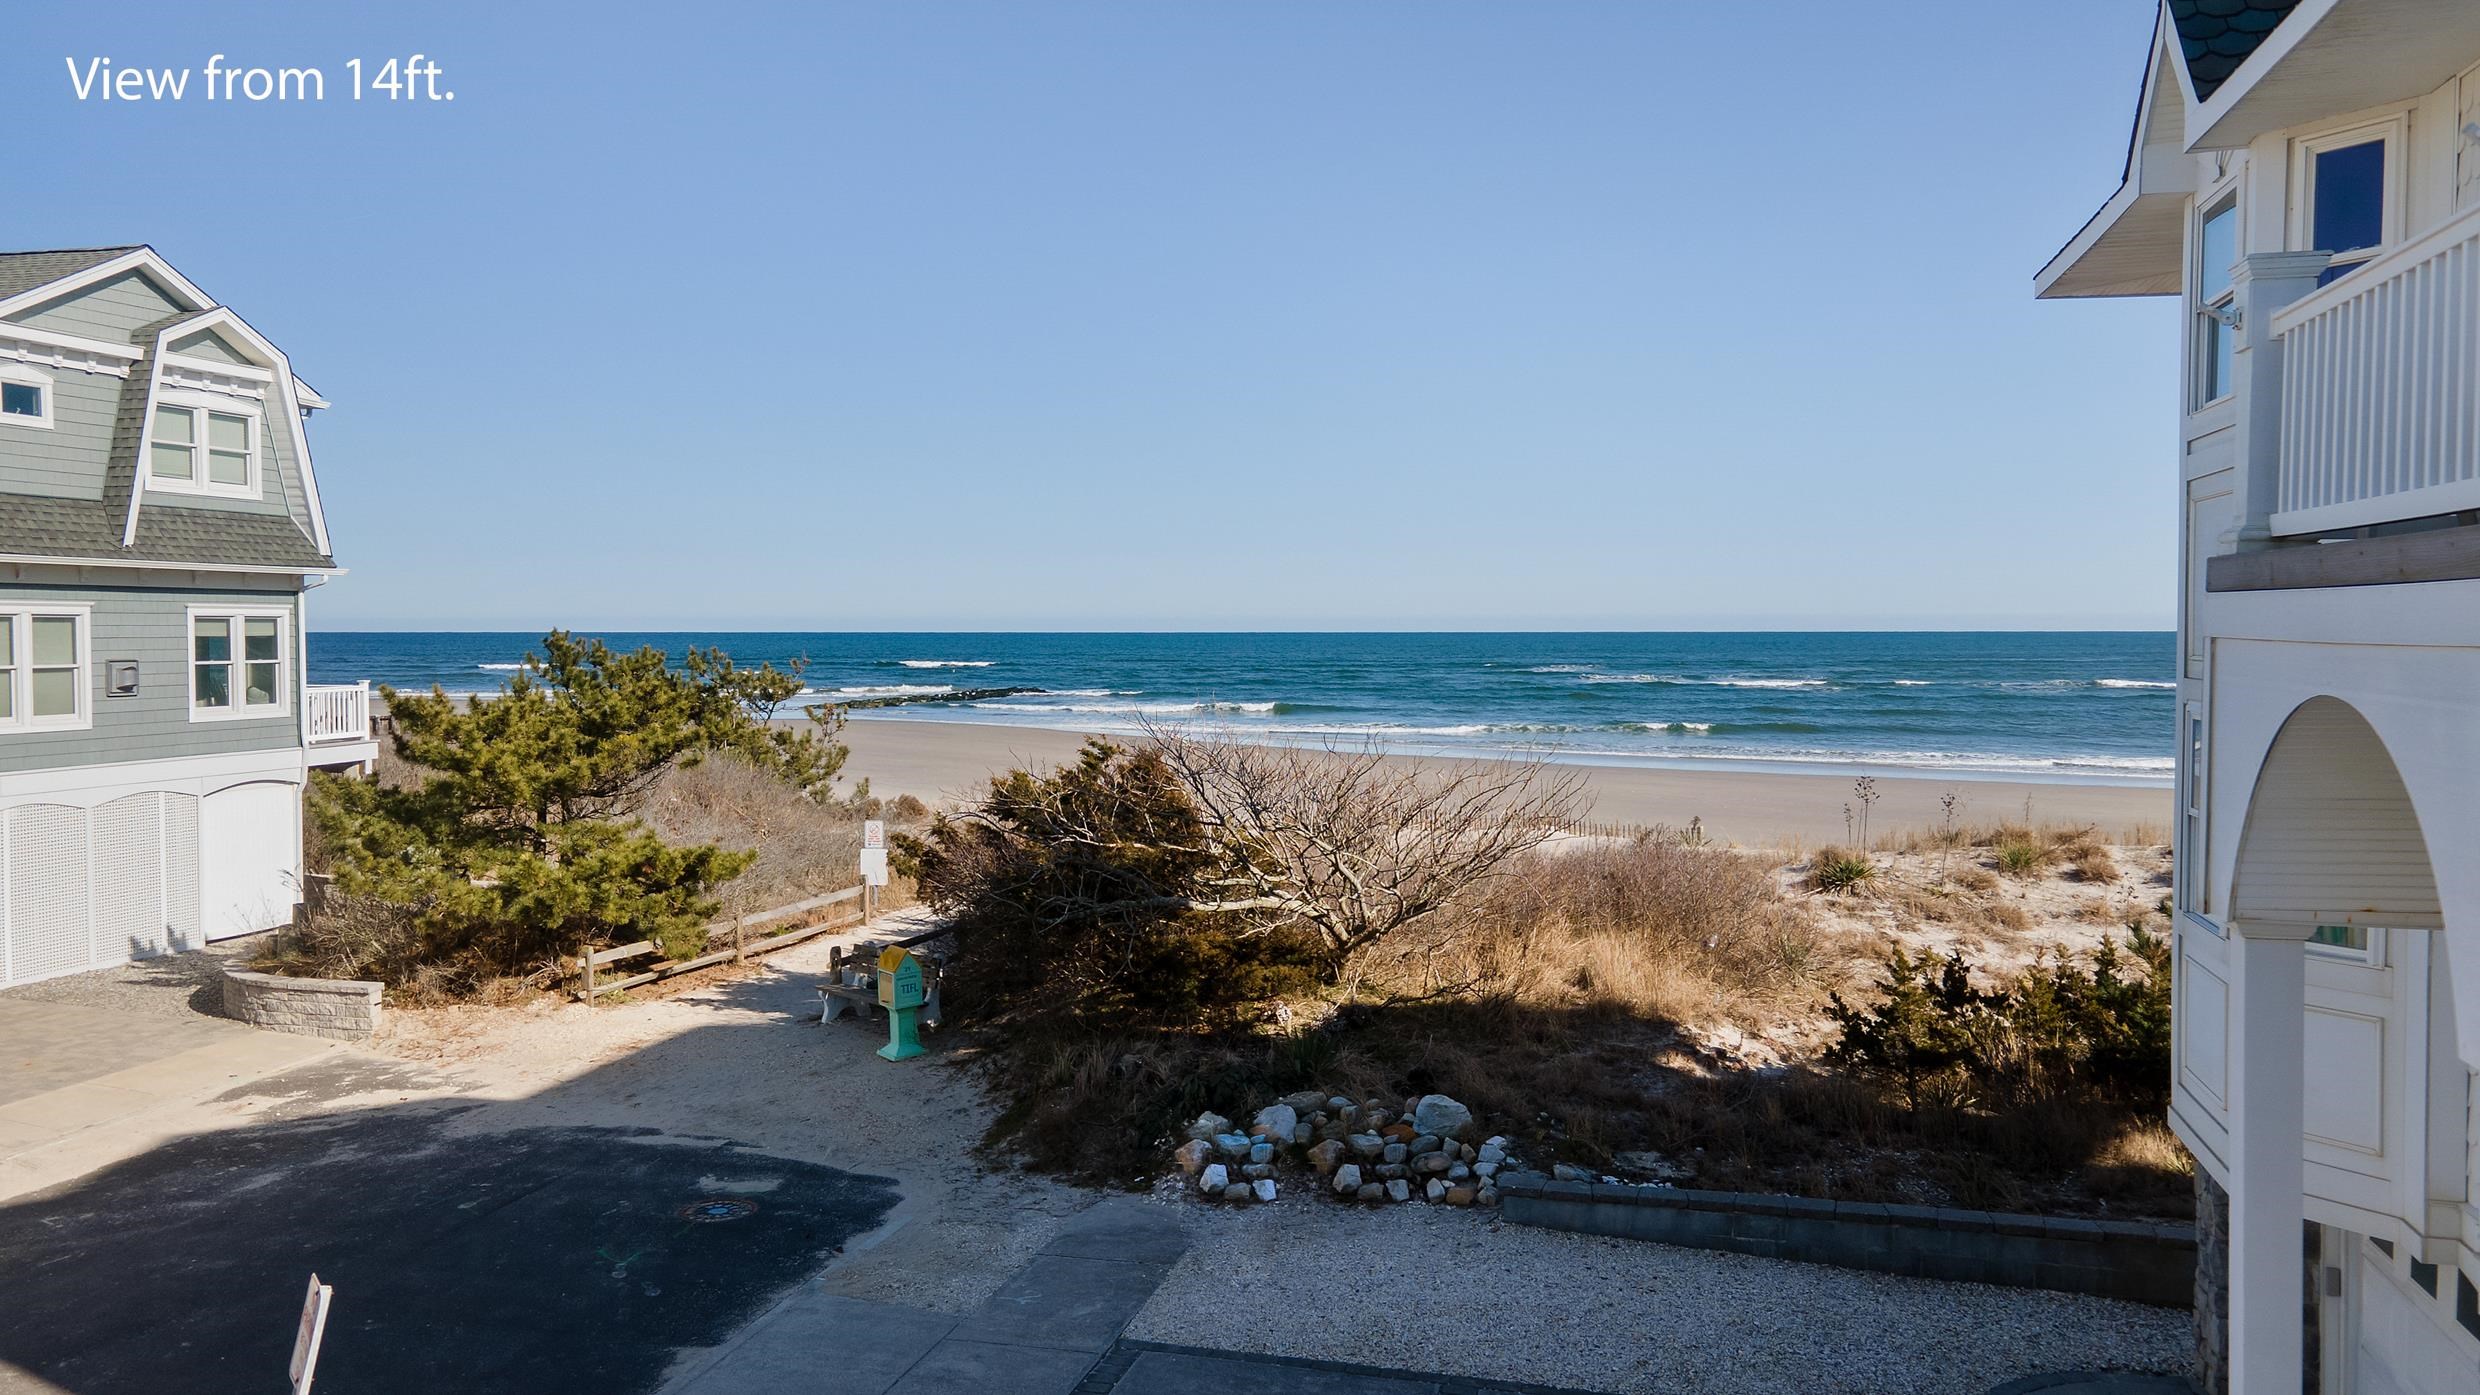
column 35, row 378
column 2393, row 130
column 21, row 675
column 2372, row 954
column 281, row 707
column 191, row 400
column 2192, row 871
column 2205, row 310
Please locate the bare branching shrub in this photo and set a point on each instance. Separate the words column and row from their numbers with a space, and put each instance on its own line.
column 1351, row 847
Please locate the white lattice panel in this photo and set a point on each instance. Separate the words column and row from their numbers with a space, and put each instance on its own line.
column 48, row 929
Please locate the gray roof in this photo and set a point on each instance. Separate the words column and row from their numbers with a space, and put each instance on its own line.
column 31, row 526
column 23, row 271
column 90, row 529
column 2216, row 36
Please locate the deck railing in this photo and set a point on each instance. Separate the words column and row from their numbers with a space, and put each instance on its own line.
column 338, row 712
column 2380, row 412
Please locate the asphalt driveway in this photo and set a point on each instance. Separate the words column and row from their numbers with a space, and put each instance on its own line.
column 529, row 1259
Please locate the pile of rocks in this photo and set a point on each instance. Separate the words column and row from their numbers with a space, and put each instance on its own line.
column 1359, row 1151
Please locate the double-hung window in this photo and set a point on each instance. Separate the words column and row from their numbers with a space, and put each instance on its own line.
column 238, row 664
column 43, row 668
column 2217, row 332
column 25, row 396
column 203, row 445
column 2191, row 874
column 2344, row 204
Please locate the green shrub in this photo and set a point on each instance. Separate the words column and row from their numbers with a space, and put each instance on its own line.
column 2022, row 857
column 1836, row 869
column 518, row 843
column 1078, row 892
column 2061, row 1029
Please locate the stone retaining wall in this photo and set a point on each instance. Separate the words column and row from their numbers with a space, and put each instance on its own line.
column 2143, row 1261
column 345, row 1009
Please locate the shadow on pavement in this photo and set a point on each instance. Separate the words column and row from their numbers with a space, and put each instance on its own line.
column 541, row 1258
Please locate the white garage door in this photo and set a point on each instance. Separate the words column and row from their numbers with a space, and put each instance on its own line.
column 48, row 924
column 249, row 858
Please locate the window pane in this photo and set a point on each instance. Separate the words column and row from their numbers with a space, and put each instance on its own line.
column 21, row 399
column 2220, row 357
column 223, row 467
column 214, row 640
column 258, row 639
column 2217, row 248
column 2341, row 936
column 214, row 685
column 169, row 462
column 175, row 424
column 260, row 689
column 55, row 692
column 55, row 639
column 2350, row 197
column 8, row 695
column 8, row 640
column 227, row 432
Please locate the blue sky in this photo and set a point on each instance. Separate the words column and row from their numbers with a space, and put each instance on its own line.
column 1041, row 316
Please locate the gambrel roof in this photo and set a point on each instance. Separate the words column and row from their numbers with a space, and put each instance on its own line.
column 2216, row 36
column 128, row 524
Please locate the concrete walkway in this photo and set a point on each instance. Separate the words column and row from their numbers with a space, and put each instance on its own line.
column 84, row 1086
column 1053, row 1329
column 1039, row 1334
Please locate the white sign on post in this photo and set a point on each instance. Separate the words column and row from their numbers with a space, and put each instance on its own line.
column 873, row 834
column 874, row 866
column 306, row 1340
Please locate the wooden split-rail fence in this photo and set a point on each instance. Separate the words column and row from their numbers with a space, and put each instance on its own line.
column 741, row 948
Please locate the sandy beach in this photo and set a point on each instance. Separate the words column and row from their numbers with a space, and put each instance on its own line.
column 951, row 762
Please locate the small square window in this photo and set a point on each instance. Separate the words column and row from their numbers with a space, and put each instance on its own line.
column 21, row 400
column 2349, row 211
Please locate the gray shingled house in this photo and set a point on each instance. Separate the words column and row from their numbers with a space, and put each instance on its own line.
column 159, row 530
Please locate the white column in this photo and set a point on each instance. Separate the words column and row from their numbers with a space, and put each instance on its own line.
column 2267, row 1174
column 2263, row 282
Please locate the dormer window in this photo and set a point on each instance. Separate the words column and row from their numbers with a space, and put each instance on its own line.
column 203, row 445
column 25, row 396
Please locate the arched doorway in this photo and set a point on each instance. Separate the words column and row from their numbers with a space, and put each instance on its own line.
column 2331, row 848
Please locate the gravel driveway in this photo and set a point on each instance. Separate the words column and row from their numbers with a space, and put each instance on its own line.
column 1462, row 1293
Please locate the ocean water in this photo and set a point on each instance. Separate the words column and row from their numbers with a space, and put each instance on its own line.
column 2082, row 706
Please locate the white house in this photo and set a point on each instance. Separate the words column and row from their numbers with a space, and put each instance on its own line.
column 2305, row 175
column 160, row 528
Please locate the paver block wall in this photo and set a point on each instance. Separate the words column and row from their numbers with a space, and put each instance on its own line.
column 345, row 1009
column 2143, row 1261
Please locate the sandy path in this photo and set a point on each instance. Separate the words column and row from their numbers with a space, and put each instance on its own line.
column 953, row 761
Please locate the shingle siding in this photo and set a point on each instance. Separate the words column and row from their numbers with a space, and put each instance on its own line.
column 115, row 311
column 207, row 346
column 65, row 462
column 152, row 627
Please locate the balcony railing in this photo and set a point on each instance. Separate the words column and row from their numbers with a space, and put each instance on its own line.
column 337, row 712
column 2380, row 415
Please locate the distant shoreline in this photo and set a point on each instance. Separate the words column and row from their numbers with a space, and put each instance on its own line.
column 952, row 762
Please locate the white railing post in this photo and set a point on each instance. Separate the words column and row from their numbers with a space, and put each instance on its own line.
column 2264, row 282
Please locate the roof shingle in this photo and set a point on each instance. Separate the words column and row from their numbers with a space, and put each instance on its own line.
column 2216, row 36
column 23, row 271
